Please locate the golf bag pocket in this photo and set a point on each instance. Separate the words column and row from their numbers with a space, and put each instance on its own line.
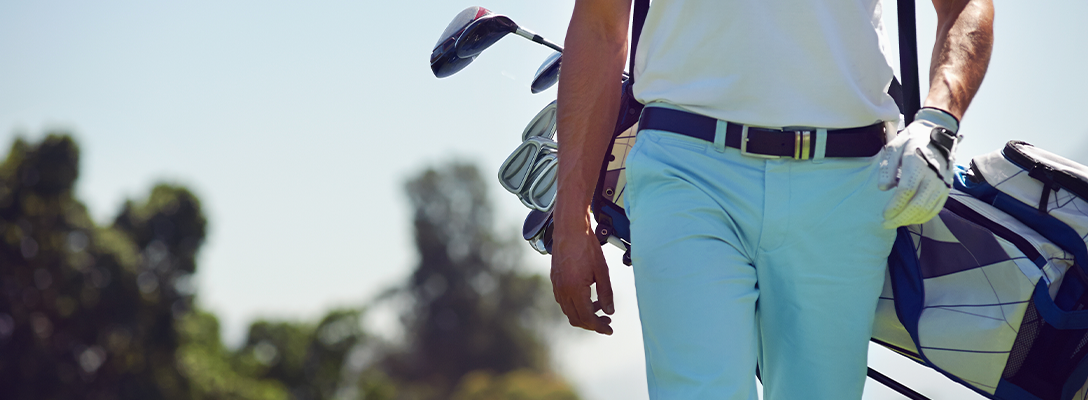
column 1045, row 191
column 971, row 294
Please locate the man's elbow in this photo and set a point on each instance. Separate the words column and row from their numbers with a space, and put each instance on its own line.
column 980, row 12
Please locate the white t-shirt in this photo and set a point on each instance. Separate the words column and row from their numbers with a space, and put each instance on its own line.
column 770, row 63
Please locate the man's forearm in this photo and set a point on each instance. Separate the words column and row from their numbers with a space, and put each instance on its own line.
column 593, row 59
column 961, row 53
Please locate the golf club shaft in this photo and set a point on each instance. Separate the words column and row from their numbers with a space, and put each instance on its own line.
column 896, row 386
column 537, row 38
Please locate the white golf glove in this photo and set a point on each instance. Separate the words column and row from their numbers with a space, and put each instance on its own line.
column 918, row 163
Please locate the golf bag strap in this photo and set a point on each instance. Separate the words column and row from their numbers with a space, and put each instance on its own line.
column 642, row 7
column 908, row 59
column 910, row 93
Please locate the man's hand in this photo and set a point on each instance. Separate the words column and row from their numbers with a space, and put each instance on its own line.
column 577, row 263
column 596, row 49
column 918, row 163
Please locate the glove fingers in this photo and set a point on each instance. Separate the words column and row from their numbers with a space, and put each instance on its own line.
column 936, row 204
column 907, row 189
column 889, row 165
column 925, row 205
column 924, row 177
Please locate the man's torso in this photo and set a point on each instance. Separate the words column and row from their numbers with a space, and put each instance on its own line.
column 771, row 63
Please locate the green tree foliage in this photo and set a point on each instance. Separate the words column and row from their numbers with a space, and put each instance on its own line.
column 307, row 359
column 213, row 371
column 87, row 312
column 516, row 385
column 91, row 312
column 471, row 308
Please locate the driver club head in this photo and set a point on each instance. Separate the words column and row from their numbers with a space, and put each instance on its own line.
column 548, row 73
column 444, row 58
column 537, row 230
column 535, row 223
column 482, row 33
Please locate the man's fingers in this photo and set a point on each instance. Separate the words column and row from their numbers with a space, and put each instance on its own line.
column 934, row 202
column 604, row 290
column 603, row 325
column 583, row 314
column 909, row 180
column 576, row 266
column 899, row 202
column 572, row 315
column 923, row 206
column 889, row 168
column 587, row 315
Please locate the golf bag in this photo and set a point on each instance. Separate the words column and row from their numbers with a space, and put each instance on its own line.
column 992, row 292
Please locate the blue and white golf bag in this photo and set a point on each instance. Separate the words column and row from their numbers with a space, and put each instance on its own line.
column 992, row 292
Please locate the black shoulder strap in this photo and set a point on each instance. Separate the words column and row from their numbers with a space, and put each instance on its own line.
column 908, row 101
column 908, row 59
column 642, row 7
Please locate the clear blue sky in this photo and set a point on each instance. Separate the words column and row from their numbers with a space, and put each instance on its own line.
column 297, row 123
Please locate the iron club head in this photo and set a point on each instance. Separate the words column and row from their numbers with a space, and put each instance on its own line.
column 543, row 124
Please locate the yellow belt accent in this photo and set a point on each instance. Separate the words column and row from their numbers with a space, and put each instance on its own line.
column 801, row 144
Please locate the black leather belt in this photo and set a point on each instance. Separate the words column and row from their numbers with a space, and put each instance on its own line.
column 864, row 141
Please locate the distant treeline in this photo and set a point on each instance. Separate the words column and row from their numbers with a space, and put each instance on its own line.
column 107, row 312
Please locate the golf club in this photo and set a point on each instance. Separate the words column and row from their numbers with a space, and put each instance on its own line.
column 444, row 60
column 537, row 230
column 543, row 124
column 548, row 73
column 488, row 29
column 471, row 32
column 516, row 173
column 542, row 191
column 544, row 166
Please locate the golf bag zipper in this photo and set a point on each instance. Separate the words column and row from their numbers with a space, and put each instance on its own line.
column 1052, row 179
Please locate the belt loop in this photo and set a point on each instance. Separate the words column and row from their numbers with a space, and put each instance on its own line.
column 719, row 135
column 890, row 130
column 821, row 146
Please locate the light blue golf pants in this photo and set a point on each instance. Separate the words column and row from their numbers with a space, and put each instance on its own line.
column 740, row 259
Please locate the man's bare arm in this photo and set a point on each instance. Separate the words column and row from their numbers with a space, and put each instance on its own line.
column 961, row 54
column 594, row 55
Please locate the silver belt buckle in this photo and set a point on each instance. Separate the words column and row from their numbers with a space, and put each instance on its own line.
column 744, row 145
column 801, row 143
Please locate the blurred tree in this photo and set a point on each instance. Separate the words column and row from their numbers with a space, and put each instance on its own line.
column 89, row 312
column 305, row 358
column 516, row 385
column 213, row 371
column 471, row 308
column 329, row 360
column 76, row 319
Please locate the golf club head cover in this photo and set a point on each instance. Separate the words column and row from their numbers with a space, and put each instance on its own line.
column 918, row 163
